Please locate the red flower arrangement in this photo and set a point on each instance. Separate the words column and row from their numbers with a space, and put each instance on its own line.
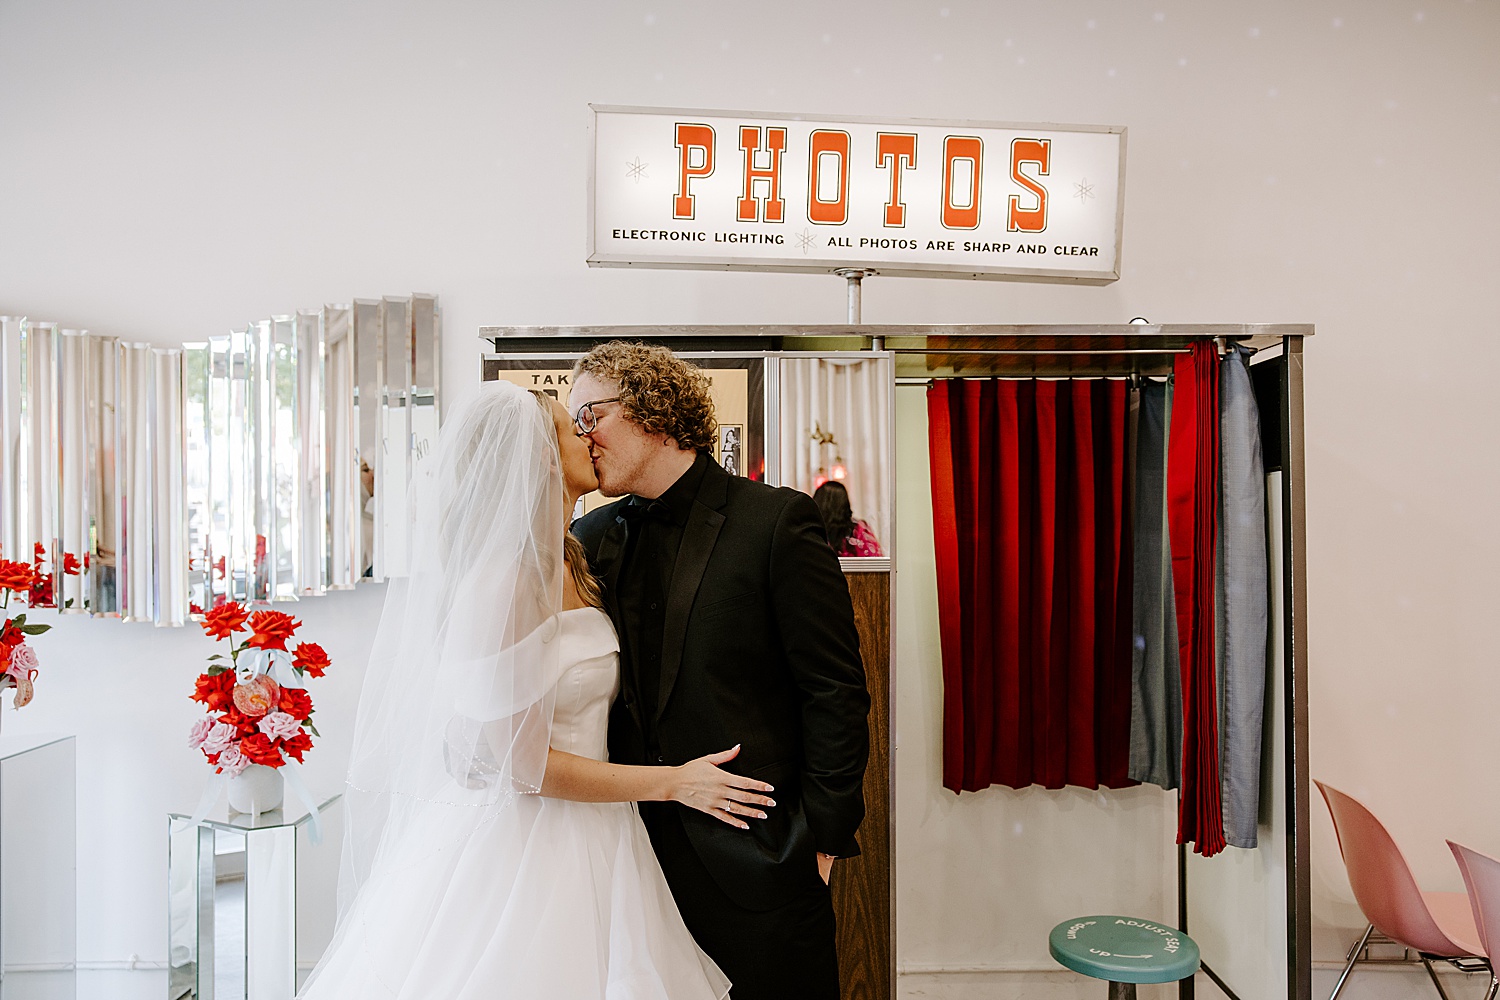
column 259, row 712
column 18, row 662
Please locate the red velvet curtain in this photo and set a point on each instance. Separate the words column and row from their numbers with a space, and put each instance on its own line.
column 1031, row 522
column 1192, row 519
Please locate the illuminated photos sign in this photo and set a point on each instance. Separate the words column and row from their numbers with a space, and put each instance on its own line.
column 775, row 192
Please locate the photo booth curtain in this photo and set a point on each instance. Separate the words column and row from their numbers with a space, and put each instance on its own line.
column 1192, row 516
column 1243, row 595
column 1092, row 640
column 1156, row 704
column 1034, row 577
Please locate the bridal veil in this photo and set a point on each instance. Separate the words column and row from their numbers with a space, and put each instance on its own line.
column 454, row 719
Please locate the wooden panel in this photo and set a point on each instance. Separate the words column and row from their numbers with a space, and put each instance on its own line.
column 862, row 885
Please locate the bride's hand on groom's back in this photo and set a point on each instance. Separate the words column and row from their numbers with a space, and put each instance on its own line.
column 708, row 788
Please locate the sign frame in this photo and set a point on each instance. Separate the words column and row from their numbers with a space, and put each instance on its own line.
column 814, row 265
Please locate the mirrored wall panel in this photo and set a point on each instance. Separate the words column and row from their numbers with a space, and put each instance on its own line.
column 266, row 464
column 75, row 499
column 424, row 387
column 197, row 512
column 393, row 461
column 103, row 487
column 39, row 419
column 12, row 438
column 310, row 483
column 345, row 485
column 368, row 325
column 168, row 489
column 134, row 546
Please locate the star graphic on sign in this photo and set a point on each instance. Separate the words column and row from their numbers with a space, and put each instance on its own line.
column 635, row 170
column 805, row 240
column 1083, row 190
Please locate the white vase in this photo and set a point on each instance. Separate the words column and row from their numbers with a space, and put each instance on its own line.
column 256, row 789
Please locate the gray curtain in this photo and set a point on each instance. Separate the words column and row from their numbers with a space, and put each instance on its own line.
column 1156, row 688
column 1241, row 628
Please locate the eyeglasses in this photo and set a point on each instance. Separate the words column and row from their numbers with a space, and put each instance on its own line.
column 586, row 420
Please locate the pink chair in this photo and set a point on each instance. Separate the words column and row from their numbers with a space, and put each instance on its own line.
column 1482, row 876
column 1436, row 925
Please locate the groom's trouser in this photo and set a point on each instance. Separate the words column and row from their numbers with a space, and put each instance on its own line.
column 786, row 953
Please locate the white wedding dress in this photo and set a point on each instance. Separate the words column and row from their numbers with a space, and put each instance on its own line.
column 551, row 900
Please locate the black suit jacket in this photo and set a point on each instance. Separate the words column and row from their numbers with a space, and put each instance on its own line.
column 760, row 649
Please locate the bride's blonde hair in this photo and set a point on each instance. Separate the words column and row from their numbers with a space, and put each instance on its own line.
column 588, row 585
column 577, row 559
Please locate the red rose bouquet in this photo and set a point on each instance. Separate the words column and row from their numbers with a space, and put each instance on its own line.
column 258, row 710
column 18, row 662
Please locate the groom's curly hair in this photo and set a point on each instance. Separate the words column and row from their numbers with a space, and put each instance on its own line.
column 658, row 390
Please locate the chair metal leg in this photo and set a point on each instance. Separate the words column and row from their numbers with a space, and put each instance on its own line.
column 1359, row 946
column 1427, row 962
column 1494, row 987
column 1121, row 991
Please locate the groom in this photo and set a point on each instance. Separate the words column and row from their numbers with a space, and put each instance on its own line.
column 735, row 628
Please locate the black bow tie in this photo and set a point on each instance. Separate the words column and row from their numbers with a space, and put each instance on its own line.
column 635, row 513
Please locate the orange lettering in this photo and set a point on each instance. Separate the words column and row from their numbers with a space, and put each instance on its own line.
column 896, row 151
column 1039, row 152
column 775, row 145
column 833, row 211
column 962, row 153
column 689, row 138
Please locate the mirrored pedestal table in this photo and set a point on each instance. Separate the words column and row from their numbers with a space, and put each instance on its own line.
column 38, row 868
column 250, row 901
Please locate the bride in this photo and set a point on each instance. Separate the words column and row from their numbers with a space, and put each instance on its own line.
column 491, row 850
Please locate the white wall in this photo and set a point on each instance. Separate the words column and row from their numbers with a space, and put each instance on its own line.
column 171, row 169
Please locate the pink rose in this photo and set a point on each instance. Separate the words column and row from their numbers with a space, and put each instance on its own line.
column 23, row 660
column 218, row 738
column 232, row 762
column 280, row 726
column 199, row 732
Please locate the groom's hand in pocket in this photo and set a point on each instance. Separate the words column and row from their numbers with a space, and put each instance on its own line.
column 731, row 798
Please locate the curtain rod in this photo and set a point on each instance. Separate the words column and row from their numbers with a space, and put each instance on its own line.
column 1047, row 351
column 1134, row 378
column 1234, row 331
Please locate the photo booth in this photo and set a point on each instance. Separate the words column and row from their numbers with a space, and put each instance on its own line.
column 822, row 399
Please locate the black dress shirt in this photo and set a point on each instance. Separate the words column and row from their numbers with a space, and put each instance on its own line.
column 653, row 539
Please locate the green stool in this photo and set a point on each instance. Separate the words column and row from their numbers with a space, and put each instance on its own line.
column 1123, row 950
